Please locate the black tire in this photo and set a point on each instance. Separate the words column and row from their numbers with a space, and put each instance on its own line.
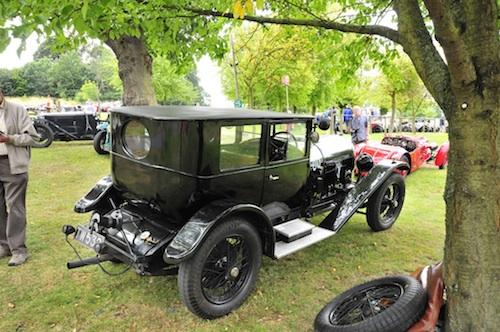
column 99, row 142
column 390, row 304
column 197, row 273
column 46, row 135
column 385, row 204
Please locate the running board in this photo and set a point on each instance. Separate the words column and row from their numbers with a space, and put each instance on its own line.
column 282, row 249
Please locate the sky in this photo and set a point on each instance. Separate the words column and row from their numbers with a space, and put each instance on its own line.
column 208, row 71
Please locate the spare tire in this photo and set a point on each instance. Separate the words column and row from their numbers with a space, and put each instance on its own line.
column 390, row 304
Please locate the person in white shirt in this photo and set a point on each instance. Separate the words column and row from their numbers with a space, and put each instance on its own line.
column 17, row 134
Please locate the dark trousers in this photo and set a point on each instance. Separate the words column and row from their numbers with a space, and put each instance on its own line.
column 12, row 208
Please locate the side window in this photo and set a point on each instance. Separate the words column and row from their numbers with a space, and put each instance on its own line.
column 287, row 141
column 239, row 146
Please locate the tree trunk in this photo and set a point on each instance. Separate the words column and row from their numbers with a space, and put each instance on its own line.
column 135, row 70
column 393, row 110
column 472, row 247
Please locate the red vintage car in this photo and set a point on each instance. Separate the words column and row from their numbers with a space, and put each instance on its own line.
column 415, row 151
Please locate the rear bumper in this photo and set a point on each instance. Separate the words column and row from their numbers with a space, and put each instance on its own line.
column 127, row 236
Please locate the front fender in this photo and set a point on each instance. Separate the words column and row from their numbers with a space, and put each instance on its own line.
column 100, row 191
column 362, row 191
column 191, row 235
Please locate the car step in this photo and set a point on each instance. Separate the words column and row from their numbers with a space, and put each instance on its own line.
column 282, row 248
column 293, row 230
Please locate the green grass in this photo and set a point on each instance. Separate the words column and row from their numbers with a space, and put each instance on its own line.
column 289, row 294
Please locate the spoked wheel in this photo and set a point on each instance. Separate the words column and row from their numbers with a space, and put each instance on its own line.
column 386, row 203
column 223, row 271
column 368, row 303
column 46, row 136
column 382, row 305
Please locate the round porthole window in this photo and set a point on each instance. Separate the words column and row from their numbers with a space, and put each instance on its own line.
column 136, row 139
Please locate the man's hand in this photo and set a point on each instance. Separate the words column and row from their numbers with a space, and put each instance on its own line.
column 4, row 138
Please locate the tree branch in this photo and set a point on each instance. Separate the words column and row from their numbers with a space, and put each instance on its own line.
column 417, row 43
column 448, row 34
column 378, row 30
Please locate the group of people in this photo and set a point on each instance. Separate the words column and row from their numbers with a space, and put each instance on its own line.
column 17, row 135
column 354, row 121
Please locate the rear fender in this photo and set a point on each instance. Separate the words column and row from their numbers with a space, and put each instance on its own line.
column 192, row 234
column 361, row 192
column 96, row 195
column 442, row 155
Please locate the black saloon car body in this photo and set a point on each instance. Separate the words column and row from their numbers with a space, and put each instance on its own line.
column 188, row 181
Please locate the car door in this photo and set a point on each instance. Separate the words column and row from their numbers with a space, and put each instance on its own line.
column 240, row 162
column 287, row 165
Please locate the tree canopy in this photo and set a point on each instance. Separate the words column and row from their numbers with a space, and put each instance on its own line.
column 464, row 80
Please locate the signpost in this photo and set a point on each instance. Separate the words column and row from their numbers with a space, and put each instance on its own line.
column 285, row 80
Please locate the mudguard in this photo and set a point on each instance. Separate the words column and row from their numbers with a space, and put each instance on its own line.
column 441, row 159
column 100, row 191
column 191, row 235
column 362, row 191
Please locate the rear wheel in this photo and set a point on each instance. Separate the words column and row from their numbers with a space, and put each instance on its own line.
column 386, row 203
column 390, row 304
column 99, row 142
column 222, row 273
column 46, row 135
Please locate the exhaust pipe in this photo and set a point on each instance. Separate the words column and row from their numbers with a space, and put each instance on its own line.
column 88, row 261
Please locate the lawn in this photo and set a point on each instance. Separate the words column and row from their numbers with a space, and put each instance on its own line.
column 44, row 296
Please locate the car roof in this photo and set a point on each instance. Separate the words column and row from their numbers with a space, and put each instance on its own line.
column 202, row 113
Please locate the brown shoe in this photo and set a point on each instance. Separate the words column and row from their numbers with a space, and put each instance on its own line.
column 4, row 252
column 18, row 258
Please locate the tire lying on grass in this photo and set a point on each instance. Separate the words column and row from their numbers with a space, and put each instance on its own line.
column 390, row 304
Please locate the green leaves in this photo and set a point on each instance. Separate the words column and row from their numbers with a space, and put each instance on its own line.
column 85, row 8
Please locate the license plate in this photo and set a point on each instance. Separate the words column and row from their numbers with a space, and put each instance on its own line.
column 88, row 238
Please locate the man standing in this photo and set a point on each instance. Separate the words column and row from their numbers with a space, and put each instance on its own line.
column 16, row 137
column 347, row 117
column 359, row 126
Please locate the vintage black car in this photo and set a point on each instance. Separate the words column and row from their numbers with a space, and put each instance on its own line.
column 211, row 190
column 65, row 126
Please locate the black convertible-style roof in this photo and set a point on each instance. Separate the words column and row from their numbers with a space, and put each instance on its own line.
column 202, row 113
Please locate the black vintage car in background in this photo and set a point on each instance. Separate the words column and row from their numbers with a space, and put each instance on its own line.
column 65, row 126
column 211, row 190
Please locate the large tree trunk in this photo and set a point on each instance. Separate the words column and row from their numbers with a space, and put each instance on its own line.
column 472, row 248
column 135, row 70
column 467, row 89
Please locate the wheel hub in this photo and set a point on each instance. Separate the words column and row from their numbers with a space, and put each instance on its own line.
column 235, row 272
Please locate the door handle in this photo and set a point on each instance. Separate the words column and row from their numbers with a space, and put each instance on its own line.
column 273, row 177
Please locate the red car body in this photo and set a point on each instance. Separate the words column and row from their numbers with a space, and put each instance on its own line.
column 416, row 151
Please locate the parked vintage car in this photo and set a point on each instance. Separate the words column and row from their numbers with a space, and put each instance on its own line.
column 415, row 151
column 211, row 190
column 65, row 126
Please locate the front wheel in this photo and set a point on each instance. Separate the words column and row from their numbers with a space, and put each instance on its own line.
column 386, row 203
column 391, row 304
column 100, row 142
column 46, row 135
column 218, row 278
